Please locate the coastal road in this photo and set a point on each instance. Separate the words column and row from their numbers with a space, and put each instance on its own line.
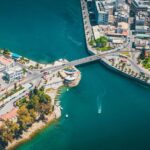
column 10, row 105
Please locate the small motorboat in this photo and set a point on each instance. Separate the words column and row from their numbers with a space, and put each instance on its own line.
column 67, row 115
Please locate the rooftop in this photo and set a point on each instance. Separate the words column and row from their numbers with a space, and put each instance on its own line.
column 10, row 115
column 13, row 70
column 6, row 61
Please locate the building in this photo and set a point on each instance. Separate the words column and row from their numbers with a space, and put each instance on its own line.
column 122, row 16
column 101, row 13
column 123, row 28
column 140, row 5
column 140, row 43
column 6, row 62
column 2, row 67
column 15, row 73
column 122, row 13
column 12, row 115
column 141, row 29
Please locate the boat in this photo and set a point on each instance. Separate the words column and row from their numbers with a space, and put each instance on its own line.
column 99, row 105
column 100, row 109
column 67, row 115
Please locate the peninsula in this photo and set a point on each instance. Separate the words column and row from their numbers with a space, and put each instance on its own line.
column 28, row 95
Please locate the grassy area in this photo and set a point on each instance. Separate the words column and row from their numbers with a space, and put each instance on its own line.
column 126, row 53
column 100, row 44
column 107, row 48
column 146, row 63
column 92, row 42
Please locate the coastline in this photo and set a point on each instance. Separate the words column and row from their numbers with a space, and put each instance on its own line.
column 92, row 51
column 37, row 127
column 54, row 88
column 32, row 132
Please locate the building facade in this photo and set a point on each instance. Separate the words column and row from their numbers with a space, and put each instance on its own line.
column 101, row 13
column 15, row 73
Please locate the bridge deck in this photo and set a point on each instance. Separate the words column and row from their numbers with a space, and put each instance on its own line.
column 83, row 60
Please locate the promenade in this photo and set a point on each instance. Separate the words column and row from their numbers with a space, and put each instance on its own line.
column 89, row 35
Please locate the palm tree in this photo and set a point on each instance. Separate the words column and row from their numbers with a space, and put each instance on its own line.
column 129, row 71
column 6, row 52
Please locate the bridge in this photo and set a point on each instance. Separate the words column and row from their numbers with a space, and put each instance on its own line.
column 83, row 60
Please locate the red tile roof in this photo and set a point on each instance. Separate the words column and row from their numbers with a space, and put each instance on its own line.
column 10, row 115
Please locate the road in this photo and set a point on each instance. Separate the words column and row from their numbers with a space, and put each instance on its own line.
column 37, row 75
column 10, row 104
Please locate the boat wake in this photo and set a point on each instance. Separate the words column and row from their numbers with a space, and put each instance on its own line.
column 99, row 103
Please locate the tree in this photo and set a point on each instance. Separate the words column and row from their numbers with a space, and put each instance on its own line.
column 33, row 114
column 44, row 109
column 12, row 127
column 24, row 118
column 35, row 91
column 15, row 86
column 24, row 71
column 37, row 65
column 34, row 101
column 6, row 52
column 7, row 136
column 102, row 41
column 129, row 71
column 92, row 42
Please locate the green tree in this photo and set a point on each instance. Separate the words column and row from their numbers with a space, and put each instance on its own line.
column 6, row 52
column 24, row 71
column 12, row 127
column 15, row 86
column 102, row 41
column 24, row 118
column 37, row 65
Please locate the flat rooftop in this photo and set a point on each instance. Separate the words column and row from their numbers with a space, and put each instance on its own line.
column 5, row 61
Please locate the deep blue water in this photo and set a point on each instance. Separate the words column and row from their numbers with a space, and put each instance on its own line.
column 46, row 30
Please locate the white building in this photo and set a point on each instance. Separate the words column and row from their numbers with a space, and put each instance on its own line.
column 15, row 73
column 140, row 5
column 6, row 62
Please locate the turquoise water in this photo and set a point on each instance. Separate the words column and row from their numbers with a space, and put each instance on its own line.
column 46, row 30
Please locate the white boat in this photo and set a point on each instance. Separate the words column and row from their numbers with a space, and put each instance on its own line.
column 100, row 109
column 67, row 115
column 99, row 105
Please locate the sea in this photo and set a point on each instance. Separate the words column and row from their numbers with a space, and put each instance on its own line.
column 106, row 111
